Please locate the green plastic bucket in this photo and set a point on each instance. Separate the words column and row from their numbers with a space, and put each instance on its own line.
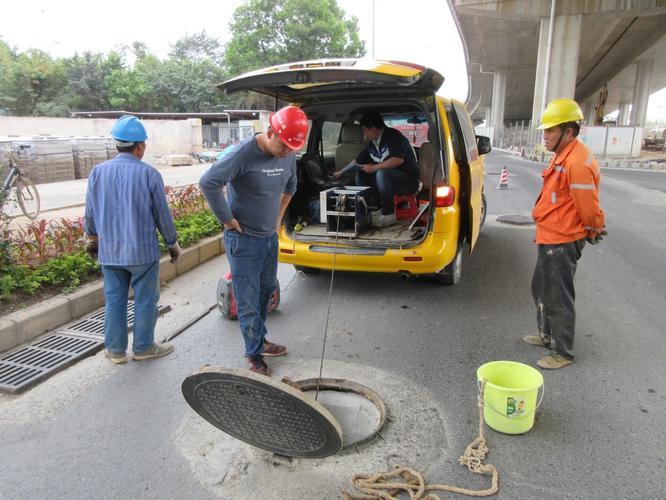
column 510, row 396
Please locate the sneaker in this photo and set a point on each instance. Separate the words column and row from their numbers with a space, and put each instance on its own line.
column 156, row 351
column 117, row 358
column 536, row 340
column 271, row 349
column 258, row 365
column 384, row 220
column 554, row 361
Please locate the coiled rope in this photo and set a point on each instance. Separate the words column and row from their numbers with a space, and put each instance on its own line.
column 385, row 486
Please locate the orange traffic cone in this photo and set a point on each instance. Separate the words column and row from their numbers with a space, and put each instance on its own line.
column 504, row 179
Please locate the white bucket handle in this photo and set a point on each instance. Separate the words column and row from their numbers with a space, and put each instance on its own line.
column 485, row 402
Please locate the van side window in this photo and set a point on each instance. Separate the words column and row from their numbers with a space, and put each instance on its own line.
column 330, row 133
column 468, row 132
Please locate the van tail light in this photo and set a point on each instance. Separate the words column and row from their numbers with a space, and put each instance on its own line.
column 445, row 195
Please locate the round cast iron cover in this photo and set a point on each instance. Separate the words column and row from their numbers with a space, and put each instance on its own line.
column 263, row 412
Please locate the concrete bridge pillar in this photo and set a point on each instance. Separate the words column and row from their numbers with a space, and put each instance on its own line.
column 498, row 102
column 623, row 115
column 641, row 92
column 588, row 112
column 560, row 75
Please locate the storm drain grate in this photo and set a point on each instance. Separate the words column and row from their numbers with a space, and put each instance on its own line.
column 25, row 367
column 94, row 324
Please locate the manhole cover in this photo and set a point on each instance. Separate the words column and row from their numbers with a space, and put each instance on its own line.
column 263, row 412
column 518, row 220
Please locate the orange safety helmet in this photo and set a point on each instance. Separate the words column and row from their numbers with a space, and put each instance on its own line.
column 291, row 125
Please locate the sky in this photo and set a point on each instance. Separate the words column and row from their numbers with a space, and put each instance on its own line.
column 419, row 31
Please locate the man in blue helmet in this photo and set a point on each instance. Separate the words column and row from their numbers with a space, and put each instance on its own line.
column 125, row 205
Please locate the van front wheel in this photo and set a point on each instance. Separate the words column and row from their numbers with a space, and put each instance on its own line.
column 452, row 273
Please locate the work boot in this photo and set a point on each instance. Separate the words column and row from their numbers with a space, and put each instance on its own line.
column 155, row 351
column 271, row 349
column 554, row 361
column 382, row 220
column 537, row 340
column 258, row 365
column 117, row 358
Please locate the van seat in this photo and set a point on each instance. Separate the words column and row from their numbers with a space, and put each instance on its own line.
column 350, row 146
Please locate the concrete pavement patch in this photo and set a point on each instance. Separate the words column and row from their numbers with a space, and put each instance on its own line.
column 417, row 435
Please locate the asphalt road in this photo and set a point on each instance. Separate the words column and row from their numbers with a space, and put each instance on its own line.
column 102, row 431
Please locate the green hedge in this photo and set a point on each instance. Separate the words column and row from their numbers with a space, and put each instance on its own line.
column 65, row 273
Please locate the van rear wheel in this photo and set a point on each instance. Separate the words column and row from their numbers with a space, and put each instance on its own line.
column 452, row 273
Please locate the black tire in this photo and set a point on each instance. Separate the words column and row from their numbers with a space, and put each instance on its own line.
column 306, row 270
column 452, row 274
column 28, row 198
column 484, row 210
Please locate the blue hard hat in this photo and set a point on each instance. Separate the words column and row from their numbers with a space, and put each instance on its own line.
column 129, row 129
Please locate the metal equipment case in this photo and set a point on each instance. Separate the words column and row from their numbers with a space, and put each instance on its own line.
column 344, row 210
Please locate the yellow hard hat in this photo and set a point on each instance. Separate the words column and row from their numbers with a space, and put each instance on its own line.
column 560, row 111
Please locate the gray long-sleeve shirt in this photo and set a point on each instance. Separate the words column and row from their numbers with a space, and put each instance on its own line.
column 255, row 182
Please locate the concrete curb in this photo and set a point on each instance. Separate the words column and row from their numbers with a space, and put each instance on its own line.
column 22, row 326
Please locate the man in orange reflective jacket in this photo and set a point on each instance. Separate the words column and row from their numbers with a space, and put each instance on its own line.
column 567, row 214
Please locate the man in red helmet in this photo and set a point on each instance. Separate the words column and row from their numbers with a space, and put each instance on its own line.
column 260, row 175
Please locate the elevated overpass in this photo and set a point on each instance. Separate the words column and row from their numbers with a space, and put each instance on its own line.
column 523, row 53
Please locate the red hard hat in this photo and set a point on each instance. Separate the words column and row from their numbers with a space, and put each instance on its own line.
column 291, row 125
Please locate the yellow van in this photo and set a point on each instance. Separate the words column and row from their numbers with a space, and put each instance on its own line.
column 328, row 222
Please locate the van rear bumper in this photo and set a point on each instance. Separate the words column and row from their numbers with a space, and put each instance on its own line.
column 435, row 252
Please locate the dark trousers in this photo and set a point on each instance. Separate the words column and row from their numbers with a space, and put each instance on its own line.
column 554, row 294
column 388, row 182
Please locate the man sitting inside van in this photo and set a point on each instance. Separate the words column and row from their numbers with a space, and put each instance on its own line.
column 388, row 164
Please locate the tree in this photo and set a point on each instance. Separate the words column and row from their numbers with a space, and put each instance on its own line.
column 35, row 80
column 188, row 85
column 87, row 87
column 7, row 58
column 266, row 32
column 197, row 47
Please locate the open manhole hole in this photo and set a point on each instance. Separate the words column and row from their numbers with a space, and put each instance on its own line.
column 516, row 220
column 284, row 417
column 359, row 410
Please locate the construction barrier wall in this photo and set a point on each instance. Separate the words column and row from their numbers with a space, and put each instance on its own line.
column 608, row 142
column 67, row 148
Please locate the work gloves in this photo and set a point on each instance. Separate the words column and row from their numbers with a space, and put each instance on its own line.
column 174, row 252
column 594, row 237
column 92, row 245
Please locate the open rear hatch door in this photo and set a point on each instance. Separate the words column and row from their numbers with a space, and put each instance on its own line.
column 332, row 78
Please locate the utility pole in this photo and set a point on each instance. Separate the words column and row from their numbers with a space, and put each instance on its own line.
column 373, row 29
